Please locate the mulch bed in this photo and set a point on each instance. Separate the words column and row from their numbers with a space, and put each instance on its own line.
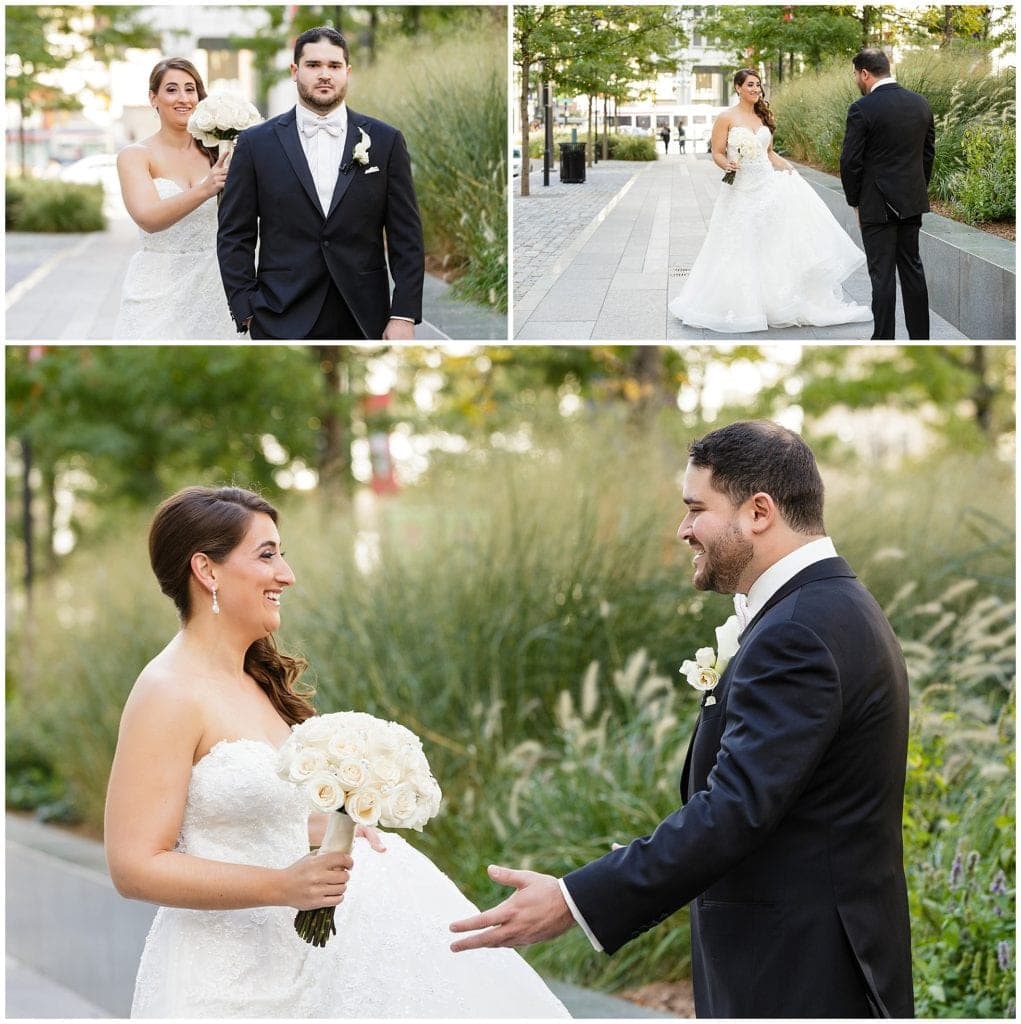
column 674, row 997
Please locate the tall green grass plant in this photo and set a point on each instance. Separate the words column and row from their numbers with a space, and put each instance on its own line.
column 968, row 102
column 449, row 98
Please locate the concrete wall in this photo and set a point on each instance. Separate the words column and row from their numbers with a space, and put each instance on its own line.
column 971, row 274
column 65, row 919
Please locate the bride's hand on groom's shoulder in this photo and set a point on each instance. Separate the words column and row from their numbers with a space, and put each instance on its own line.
column 537, row 911
column 317, row 880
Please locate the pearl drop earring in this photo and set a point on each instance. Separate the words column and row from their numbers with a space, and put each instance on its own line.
column 216, row 604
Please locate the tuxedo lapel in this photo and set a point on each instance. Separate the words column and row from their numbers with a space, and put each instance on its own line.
column 347, row 167
column 827, row 568
column 287, row 133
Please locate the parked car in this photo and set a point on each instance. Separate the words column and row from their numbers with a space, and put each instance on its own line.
column 516, row 161
column 98, row 169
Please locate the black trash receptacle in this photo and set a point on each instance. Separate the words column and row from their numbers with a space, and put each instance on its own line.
column 572, row 163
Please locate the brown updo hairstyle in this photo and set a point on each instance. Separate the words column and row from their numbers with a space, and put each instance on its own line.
column 761, row 106
column 214, row 521
column 156, row 77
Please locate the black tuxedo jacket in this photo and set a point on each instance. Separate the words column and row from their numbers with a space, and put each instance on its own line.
column 270, row 199
column 789, row 840
column 886, row 159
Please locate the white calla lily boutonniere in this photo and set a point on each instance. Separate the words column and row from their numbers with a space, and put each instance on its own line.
column 705, row 671
column 360, row 154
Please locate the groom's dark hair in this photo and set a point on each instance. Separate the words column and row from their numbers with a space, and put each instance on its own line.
column 875, row 62
column 758, row 455
column 313, row 35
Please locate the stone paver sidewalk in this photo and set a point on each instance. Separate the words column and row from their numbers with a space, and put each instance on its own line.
column 68, row 288
column 611, row 278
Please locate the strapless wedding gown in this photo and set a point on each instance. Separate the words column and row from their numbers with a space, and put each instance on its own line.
column 389, row 958
column 172, row 290
column 774, row 255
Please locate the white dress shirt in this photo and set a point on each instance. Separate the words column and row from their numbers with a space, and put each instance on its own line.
column 779, row 573
column 323, row 150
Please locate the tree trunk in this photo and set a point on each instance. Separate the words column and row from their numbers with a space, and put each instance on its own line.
column 26, row 516
column 21, row 137
column 334, row 461
column 983, row 393
column 526, row 160
column 50, row 492
column 647, row 370
column 606, row 136
column 372, row 33
column 589, row 149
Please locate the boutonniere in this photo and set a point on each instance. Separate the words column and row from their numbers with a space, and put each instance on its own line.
column 360, row 155
column 705, row 671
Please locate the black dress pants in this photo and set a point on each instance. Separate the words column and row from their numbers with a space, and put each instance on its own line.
column 334, row 323
column 891, row 250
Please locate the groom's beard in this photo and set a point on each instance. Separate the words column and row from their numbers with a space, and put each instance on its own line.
column 310, row 98
column 723, row 562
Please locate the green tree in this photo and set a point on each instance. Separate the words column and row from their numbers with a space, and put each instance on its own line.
column 123, row 424
column 43, row 40
column 967, row 393
column 783, row 37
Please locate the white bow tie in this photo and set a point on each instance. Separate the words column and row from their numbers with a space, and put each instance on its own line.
column 310, row 127
column 741, row 611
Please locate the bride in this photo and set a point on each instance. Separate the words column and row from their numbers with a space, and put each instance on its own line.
column 172, row 288
column 774, row 256
column 198, row 821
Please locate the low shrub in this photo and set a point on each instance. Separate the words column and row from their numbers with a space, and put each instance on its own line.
column 53, row 206
column 987, row 188
column 632, row 147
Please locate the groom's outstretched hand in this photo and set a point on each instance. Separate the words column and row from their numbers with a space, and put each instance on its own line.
column 537, row 911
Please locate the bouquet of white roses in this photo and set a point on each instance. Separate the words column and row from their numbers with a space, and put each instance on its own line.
column 217, row 120
column 746, row 147
column 369, row 772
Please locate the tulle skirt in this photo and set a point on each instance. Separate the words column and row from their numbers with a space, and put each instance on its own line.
column 774, row 256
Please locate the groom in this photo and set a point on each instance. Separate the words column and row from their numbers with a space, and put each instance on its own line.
column 326, row 194
column 885, row 167
column 788, row 846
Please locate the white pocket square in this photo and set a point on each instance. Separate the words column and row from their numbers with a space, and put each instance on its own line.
column 371, row 170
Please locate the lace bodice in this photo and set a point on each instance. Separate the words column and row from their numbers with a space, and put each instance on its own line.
column 193, row 233
column 238, row 811
column 389, row 958
column 172, row 289
column 749, row 149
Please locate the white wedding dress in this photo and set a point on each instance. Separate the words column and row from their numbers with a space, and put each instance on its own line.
column 774, row 256
column 389, row 958
column 172, row 290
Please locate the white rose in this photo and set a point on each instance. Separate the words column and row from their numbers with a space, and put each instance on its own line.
column 386, row 770
column 340, row 746
column 324, row 792
column 702, row 678
column 306, row 763
column 203, row 119
column 364, row 806
column 704, row 657
column 351, row 771
column 315, row 732
column 399, row 805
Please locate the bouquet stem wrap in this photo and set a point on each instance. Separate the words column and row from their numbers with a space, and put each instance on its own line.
column 316, row 926
column 374, row 772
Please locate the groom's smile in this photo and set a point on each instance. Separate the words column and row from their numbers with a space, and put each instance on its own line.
column 721, row 553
